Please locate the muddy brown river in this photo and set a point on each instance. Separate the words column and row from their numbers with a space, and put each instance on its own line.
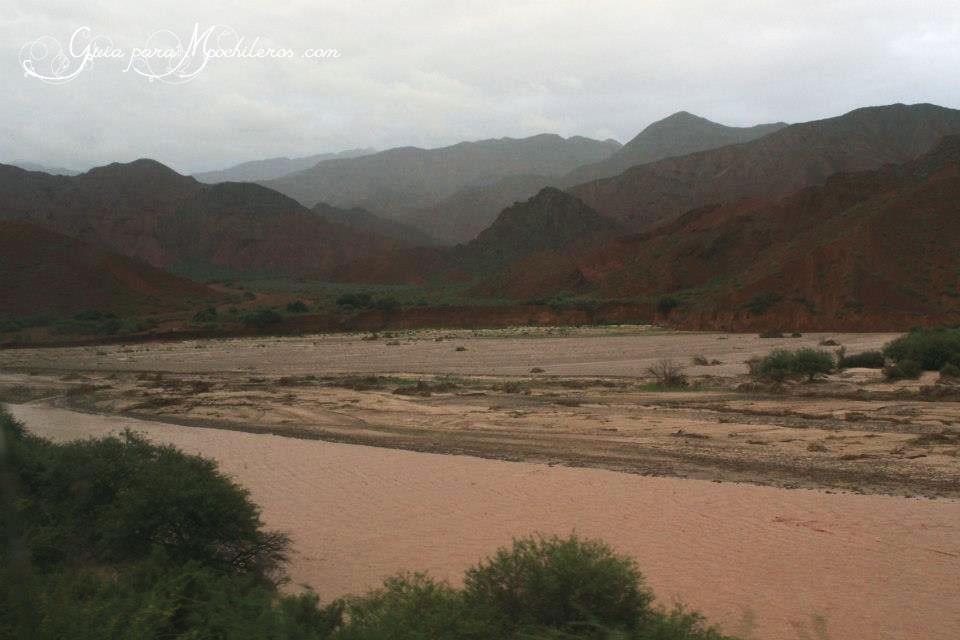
column 762, row 562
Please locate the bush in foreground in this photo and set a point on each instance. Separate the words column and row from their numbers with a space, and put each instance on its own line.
column 119, row 538
column 558, row 583
column 782, row 364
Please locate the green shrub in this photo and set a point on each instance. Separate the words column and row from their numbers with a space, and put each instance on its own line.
column 113, row 500
column 666, row 305
column 355, row 300
column 560, row 583
column 410, row 607
column 771, row 334
column 762, row 302
column 205, row 315
column 903, row 370
column 297, row 306
column 126, row 539
column 262, row 318
column 867, row 360
column 931, row 348
column 539, row 589
column 950, row 370
column 782, row 364
column 387, row 304
column 90, row 323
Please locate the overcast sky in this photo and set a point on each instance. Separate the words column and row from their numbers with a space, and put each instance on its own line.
column 435, row 72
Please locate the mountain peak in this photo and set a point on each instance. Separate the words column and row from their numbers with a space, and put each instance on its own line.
column 678, row 134
column 140, row 168
column 682, row 116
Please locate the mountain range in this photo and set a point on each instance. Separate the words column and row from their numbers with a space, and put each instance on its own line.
column 33, row 166
column 270, row 168
column 409, row 184
column 851, row 219
column 874, row 249
column 777, row 164
column 453, row 193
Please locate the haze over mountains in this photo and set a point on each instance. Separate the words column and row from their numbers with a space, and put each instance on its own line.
column 33, row 166
column 398, row 182
column 405, row 184
column 270, row 168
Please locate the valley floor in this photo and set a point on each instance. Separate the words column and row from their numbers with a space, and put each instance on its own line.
column 562, row 396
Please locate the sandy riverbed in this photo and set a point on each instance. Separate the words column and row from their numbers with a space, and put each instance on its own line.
column 764, row 562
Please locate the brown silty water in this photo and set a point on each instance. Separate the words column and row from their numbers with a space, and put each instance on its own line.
column 762, row 562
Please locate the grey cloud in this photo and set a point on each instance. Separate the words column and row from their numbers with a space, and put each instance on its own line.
column 430, row 73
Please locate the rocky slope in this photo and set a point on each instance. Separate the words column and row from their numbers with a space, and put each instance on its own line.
column 876, row 249
column 551, row 221
column 362, row 220
column 44, row 272
column 772, row 166
column 146, row 210
column 460, row 217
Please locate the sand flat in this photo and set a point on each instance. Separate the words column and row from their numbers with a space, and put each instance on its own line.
column 761, row 561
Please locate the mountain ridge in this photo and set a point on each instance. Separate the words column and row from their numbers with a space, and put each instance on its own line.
column 678, row 134
column 146, row 210
column 270, row 168
column 407, row 178
column 774, row 165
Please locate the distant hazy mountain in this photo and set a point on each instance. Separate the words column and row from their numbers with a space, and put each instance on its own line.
column 33, row 166
column 779, row 163
column 146, row 210
column 397, row 180
column 270, row 168
column 550, row 221
column 460, row 217
column 677, row 135
column 362, row 220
